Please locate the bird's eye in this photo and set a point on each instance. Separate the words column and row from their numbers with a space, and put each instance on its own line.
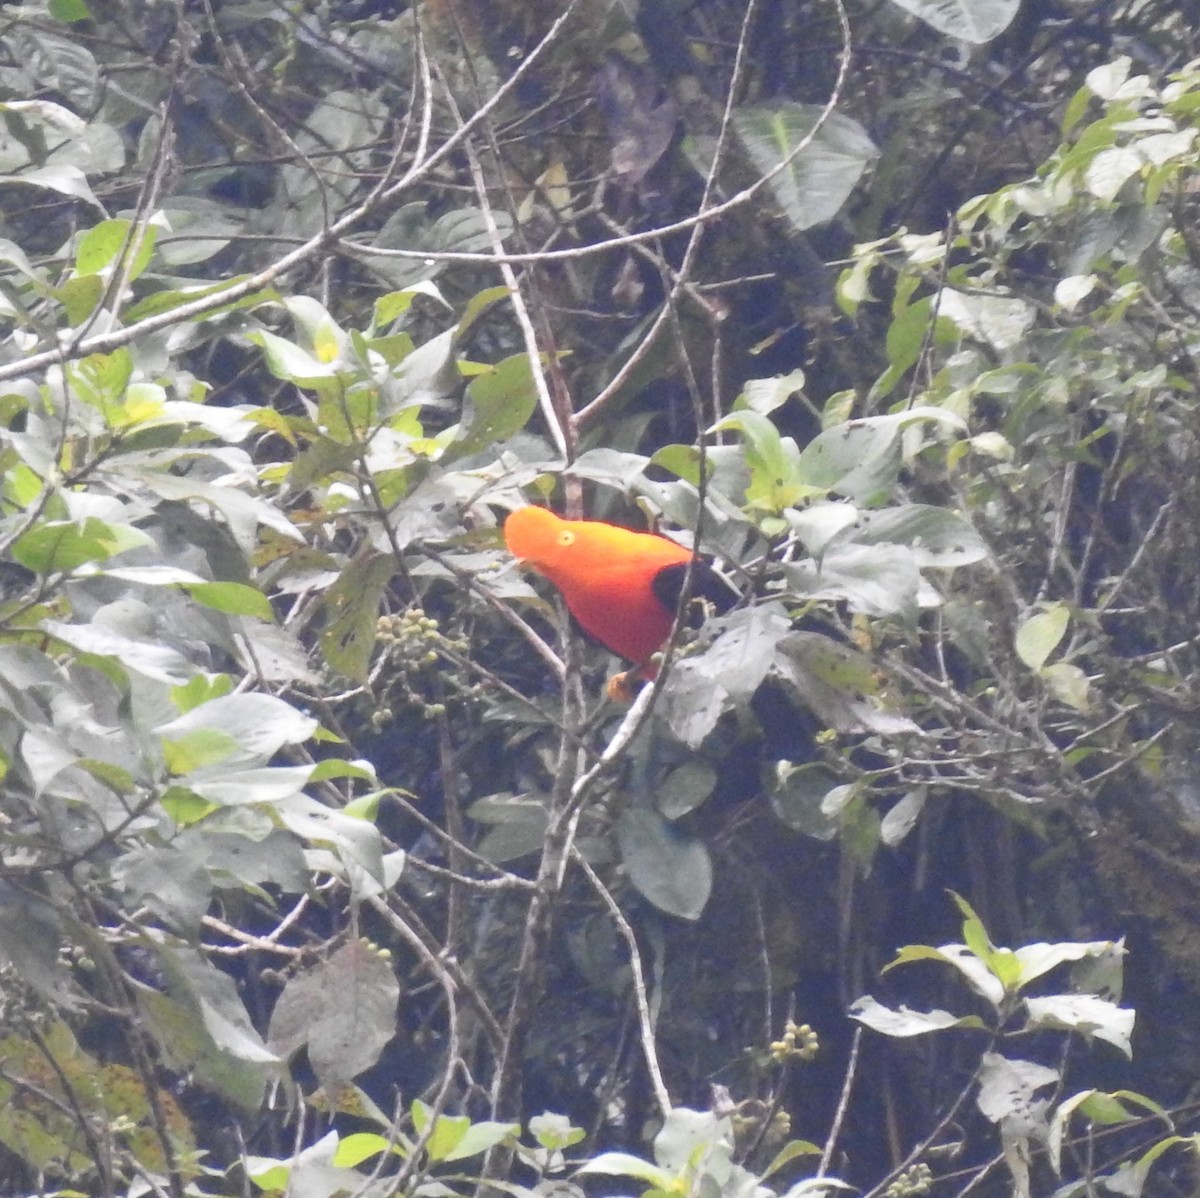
column 566, row 537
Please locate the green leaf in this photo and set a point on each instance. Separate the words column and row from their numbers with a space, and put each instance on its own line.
column 973, row 932
column 100, row 380
column 30, row 936
column 685, row 788
column 681, row 460
column 241, row 785
column 102, row 245
column 818, row 180
column 905, row 341
column 1041, row 633
column 360, row 1146
column 260, row 724
column 878, row 580
column 1060, row 1123
column 999, row 320
column 143, row 657
column 1075, row 110
column 820, row 522
column 765, row 395
column 288, row 361
column 22, row 486
column 1105, row 1109
column 213, row 995
column 480, row 1137
column 199, row 690
column 980, row 978
column 623, row 1164
column 348, row 411
column 428, row 374
column 776, row 480
column 66, row 180
column 69, row 11
column 518, row 826
column 268, row 1173
column 816, row 1187
column 1002, row 963
column 1130, row 1178
column 704, row 686
column 792, row 1150
column 1069, row 684
column 166, row 301
column 352, row 612
column 255, row 855
column 173, row 884
column 448, row 1130
column 176, row 1024
column 60, row 546
column 797, row 794
column 364, row 807
column 233, row 598
column 555, row 1132
column 862, row 459
column 858, row 824
column 395, row 304
column 79, row 297
column 837, row 683
column 203, row 1028
column 154, row 576
column 670, row 868
column 479, row 304
column 118, row 779
column 500, row 404
column 936, row 537
column 1133, row 1098
column 201, row 747
column 36, row 1121
column 354, row 852
column 902, row 1022
column 185, row 806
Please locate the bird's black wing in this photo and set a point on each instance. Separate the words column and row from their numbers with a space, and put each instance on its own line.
column 707, row 584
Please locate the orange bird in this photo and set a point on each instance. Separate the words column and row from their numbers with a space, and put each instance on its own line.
column 622, row 586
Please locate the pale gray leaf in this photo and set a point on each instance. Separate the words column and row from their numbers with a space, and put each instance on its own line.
column 260, row 724
column 975, row 21
column 819, row 178
column 671, row 869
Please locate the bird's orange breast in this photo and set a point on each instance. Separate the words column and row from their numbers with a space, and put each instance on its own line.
column 605, row 573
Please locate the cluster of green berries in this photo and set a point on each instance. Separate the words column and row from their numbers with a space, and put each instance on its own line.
column 416, row 644
column 913, row 1182
column 799, row 1041
column 412, row 636
column 375, row 949
column 747, row 1120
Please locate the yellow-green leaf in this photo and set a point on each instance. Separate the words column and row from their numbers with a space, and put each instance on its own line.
column 1040, row 635
column 233, row 598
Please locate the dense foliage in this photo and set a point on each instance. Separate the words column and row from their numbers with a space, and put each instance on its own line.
column 325, row 865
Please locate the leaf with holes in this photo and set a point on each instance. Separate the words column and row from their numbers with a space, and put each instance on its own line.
column 343, row 1010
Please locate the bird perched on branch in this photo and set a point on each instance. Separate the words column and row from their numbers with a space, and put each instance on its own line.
column 623, row 587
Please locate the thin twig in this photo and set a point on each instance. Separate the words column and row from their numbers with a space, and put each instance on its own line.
column 640, row 994
column 839, row 1116
column 251, row 943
